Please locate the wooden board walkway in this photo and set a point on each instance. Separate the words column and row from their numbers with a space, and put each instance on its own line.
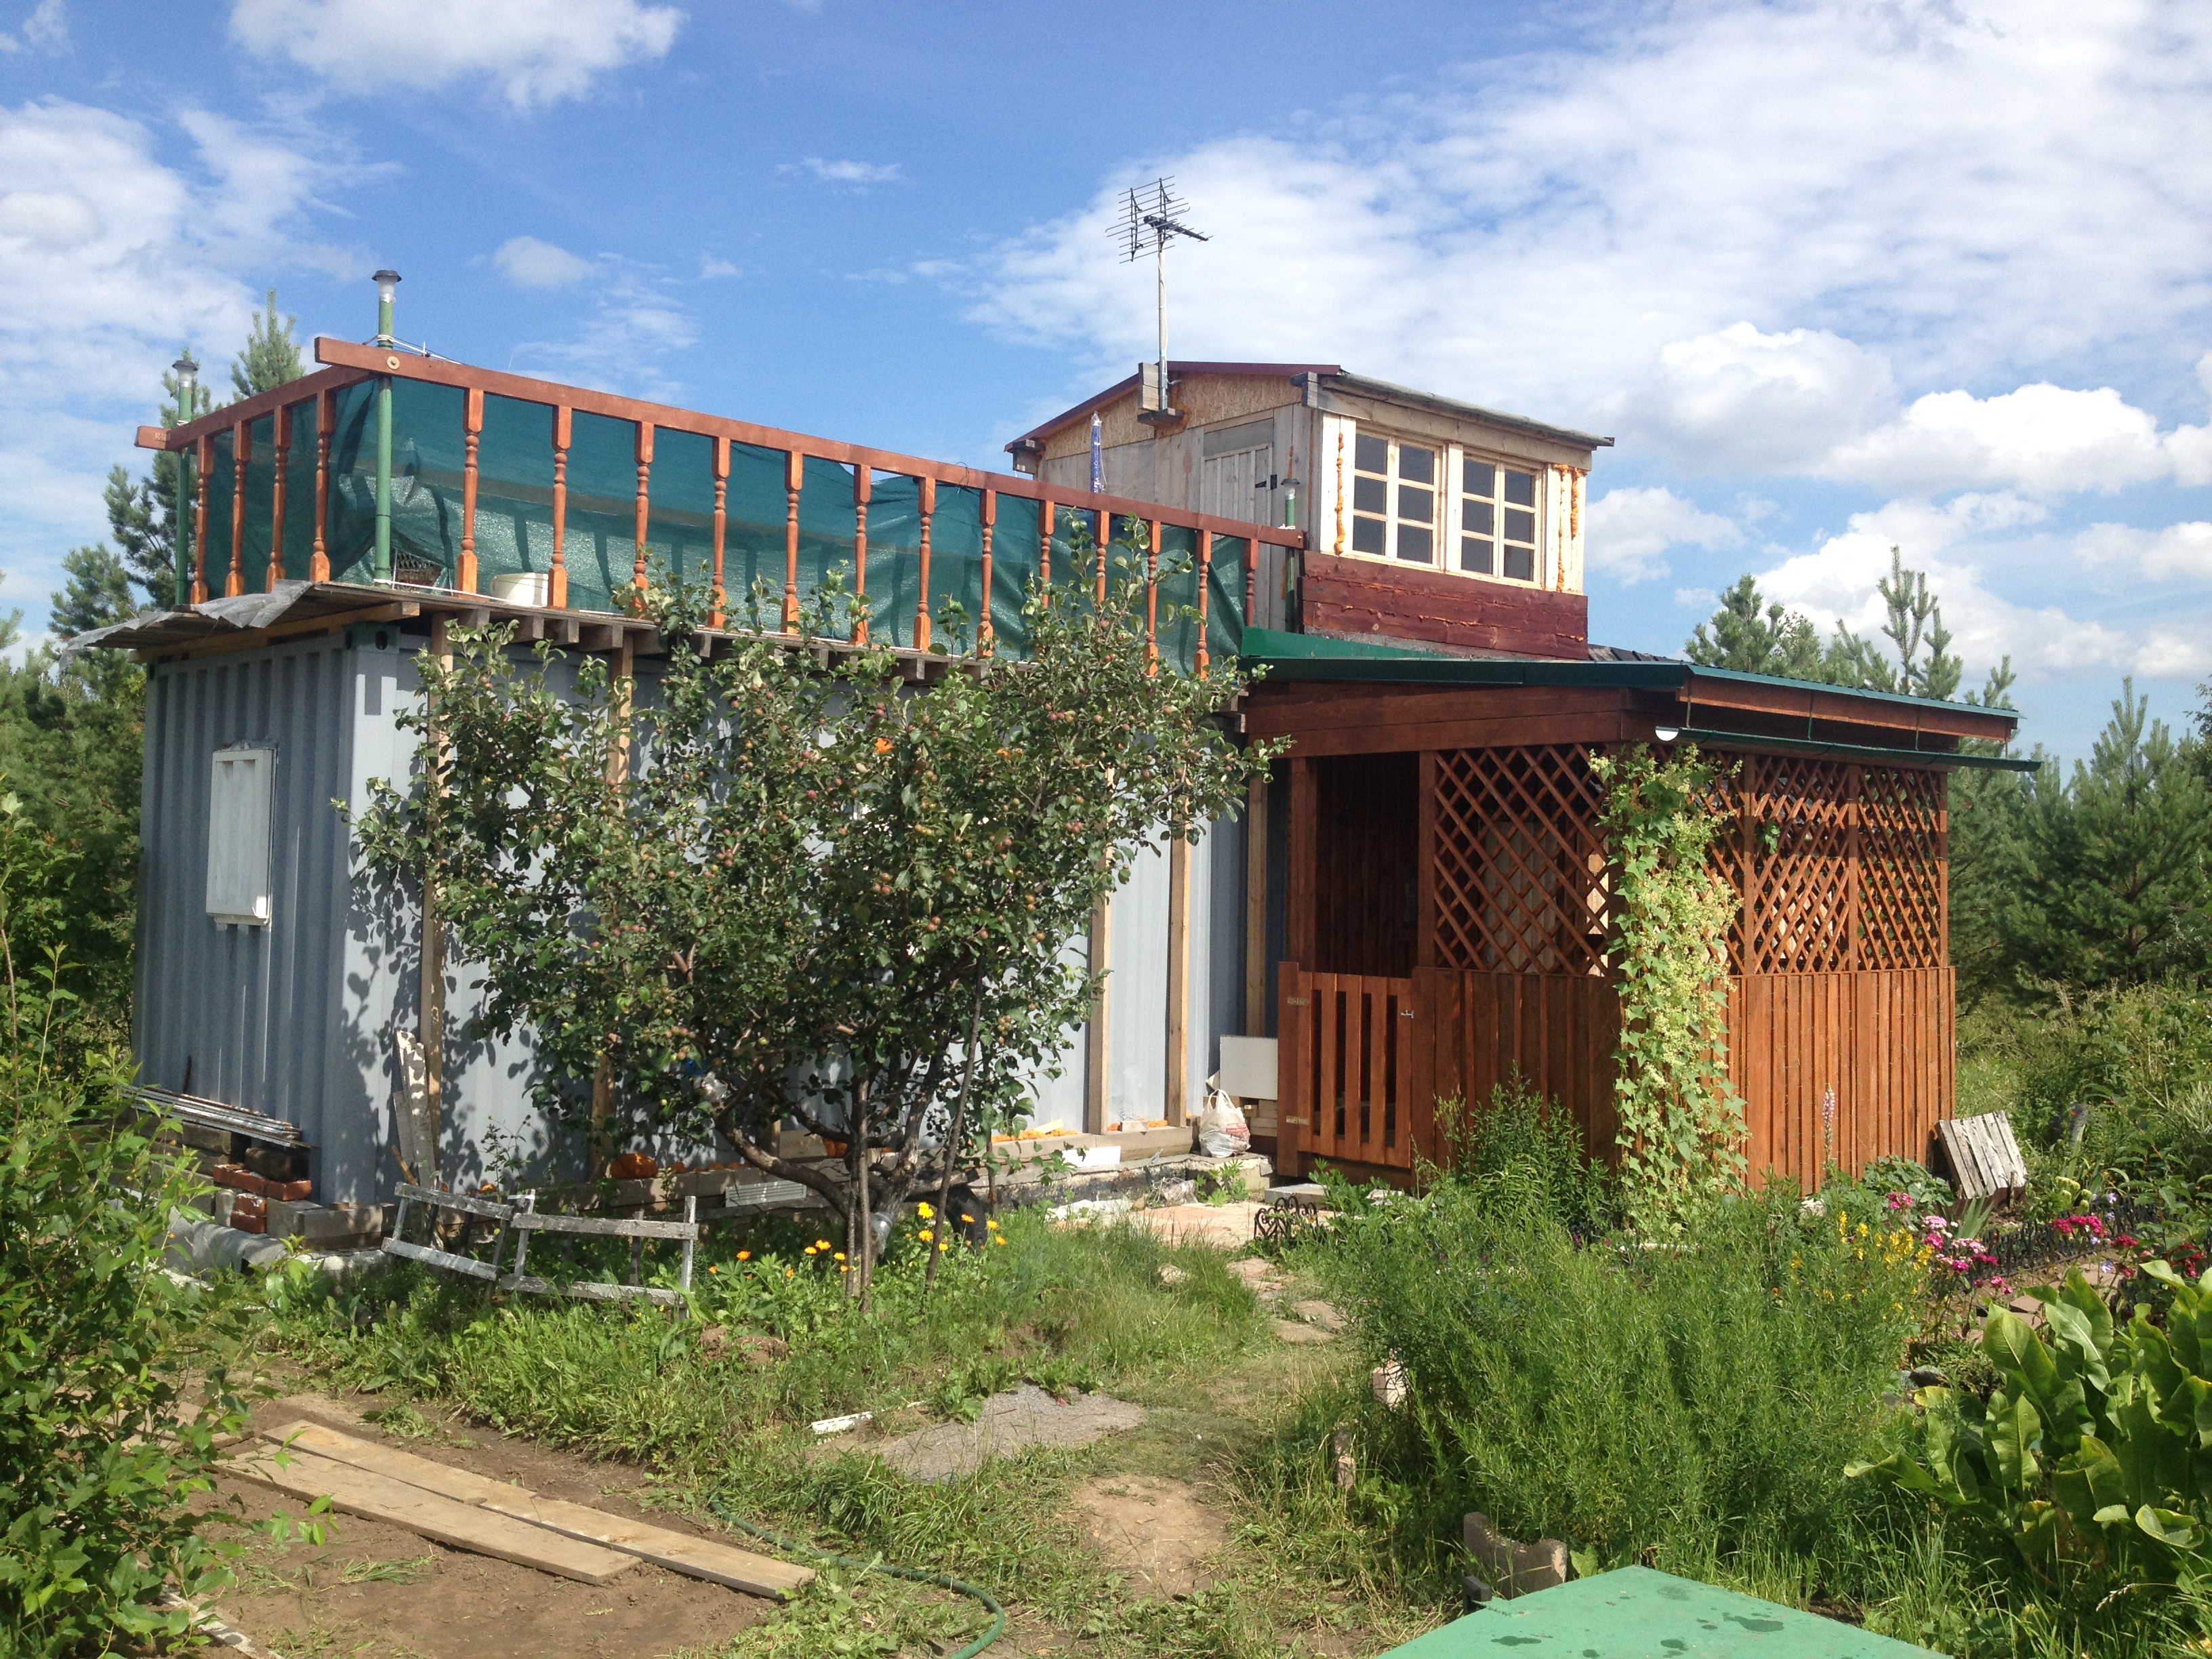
column 552, row 1518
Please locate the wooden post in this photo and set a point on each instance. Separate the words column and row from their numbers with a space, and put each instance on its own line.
column 472, row 407
column 283, row 424
column 717, row 609
column 206, row 464
column 1304, row 836
column 1205, row 586
column 1047, row 516
column 1152, row 597
column 983, row 625
column 794, row 479
column 927, row 493
column 318, row 565
column 1255, row 908
column 637, row 575
column 1252, row 546
column 1178, row 1100
column 431, row 986
column 1105, row 542
column 1095, row 1044
column 1425, row 862
column 556, row 583
column 1294, row 1104
column 241, row 452
column 863, row 487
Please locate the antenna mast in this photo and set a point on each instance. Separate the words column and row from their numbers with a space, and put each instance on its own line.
column 1152, row 218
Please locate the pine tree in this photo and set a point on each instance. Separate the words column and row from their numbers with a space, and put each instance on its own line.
column 98, row 592
column 2111, row 869
column 141, row 513
column 1752, row 636
column 271, row 357
column 1755, row 636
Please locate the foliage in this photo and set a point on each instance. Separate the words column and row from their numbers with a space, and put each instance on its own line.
column 821, row 894
column 141, row 513
column 1621, row 1396
column 115, row 1383
column 2107, row 875
column 1523, row 1151
column 97, row 593
column 1753, row 635
column 271, row 356
column 2089, row 1457
column 1681, row 1132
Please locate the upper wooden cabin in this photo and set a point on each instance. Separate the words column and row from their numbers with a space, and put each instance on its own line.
column 1433, row 920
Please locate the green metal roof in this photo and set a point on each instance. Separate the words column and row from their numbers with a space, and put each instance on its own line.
column 1636, row 1612
column 1319, row 657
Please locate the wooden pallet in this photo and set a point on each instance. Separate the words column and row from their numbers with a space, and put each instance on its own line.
column 1985, row 1158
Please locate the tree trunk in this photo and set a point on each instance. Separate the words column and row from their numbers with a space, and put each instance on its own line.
column 951, row 1153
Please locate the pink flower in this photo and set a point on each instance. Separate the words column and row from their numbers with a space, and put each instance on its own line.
column 1900, row 1200
column 2125, row 1241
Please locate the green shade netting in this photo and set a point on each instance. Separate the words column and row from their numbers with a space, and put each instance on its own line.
column 259, row 515
column 351, row 539
column 299, row 493
column 1013, row 563
column 213, row 555
column 1224, row 610
column 601, row 546
column 515, row 489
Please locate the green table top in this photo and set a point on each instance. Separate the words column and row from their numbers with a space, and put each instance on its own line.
column 1637, row 1613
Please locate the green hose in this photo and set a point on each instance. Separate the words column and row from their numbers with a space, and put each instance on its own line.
column 919, row 1576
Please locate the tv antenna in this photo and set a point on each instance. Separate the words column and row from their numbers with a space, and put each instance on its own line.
column 1152, row 217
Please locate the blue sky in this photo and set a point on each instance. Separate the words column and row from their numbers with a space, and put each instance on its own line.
column 1838, row 277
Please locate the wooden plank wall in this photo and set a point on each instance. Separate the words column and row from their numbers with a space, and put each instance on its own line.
column 1882, row 1040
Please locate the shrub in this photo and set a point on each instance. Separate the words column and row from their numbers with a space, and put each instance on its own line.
column 1521, row 1152
column 1625, row 1396
column 114, row 1381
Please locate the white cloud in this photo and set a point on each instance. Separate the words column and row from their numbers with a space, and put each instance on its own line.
column 533, row 52
column 529, row 263
column 844, row 172
column 1631, row 529
column 2042, row 439
column 634, row 324
column 1807, row 202
column 2179, row 549
column 45, row 30
column 711, row 269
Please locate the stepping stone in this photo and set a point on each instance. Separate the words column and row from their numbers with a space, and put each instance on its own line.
column 1009, row 1423
column 1321, row 1314
column 1291, row 1331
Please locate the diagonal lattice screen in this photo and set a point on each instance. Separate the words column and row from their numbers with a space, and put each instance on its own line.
column 1840, row 867
column 1520, row 875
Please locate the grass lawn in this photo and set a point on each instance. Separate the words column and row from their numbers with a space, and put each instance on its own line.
column 1212, row 1528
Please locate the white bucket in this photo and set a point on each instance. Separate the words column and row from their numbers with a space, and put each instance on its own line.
column 522, row 586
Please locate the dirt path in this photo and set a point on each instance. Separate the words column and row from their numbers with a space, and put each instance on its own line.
column 378, row 1591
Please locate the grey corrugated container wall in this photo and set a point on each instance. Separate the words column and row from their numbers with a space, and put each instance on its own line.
column 295, row 1018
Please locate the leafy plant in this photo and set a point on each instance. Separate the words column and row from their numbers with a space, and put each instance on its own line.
column 2095, row 1453
column 1521, row 1152
column 1681, row 1135
column 821, row 894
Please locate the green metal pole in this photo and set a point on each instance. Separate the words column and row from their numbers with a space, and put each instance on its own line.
column 183, row 594
column 387, row 282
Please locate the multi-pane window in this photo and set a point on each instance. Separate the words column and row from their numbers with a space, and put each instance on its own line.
column 1498, row 520
column 1393, row 499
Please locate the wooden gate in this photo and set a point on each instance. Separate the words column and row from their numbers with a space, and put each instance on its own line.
column 1349, row 1057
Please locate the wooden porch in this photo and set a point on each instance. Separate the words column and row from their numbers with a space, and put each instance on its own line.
column 1448, row 921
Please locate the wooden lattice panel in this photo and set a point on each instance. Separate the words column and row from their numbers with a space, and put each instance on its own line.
column 1903, row 830
column 1520, row 868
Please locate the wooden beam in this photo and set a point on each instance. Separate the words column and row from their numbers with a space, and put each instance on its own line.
column 1096, row 1045
column 1425, row 861
column 283, row 448
column 1255, row 908
column 472, row 412
column 320, row 384
column 556, row 586
column 1178, row 1079
column 1304, row 848
column 1505, row 731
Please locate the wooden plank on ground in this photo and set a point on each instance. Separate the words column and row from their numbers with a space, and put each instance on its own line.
column 355, row 1491
column 697, row 1557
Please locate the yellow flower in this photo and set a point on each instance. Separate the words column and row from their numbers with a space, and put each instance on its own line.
column 969, row 1219
column 841, row 1256
column 786, row 1273
column 821, row 1243
column 992, row 1222
column 924, row 1211
column 925, row 1234
column 745, row 1255
column 712, row 1268
column 998, row 1241
column 944, row 1247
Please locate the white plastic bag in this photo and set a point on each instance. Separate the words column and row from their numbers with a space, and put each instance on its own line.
column 1222, row 1131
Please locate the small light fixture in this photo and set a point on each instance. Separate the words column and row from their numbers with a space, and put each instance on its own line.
column 1290, row 503
column 387, row 289
column 188, row 380
column 1665, row 734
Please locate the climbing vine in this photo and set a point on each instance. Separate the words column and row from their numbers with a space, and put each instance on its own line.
column 1681, row 1135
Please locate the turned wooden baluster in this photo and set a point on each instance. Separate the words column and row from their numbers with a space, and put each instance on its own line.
column 1152, row 597
column 1204, row 582
column 241, row 452
column 283, row 434
column 1046, row 512
column 794, row 479
column 556, row 581
column 928, row 495
column 1105, row 543
column 637, row 574
column 1251, row 577
column 990, row 519
column 205, row 461
column 472, row 436
column 318, row 565
column 863, row 489
column 718, row 612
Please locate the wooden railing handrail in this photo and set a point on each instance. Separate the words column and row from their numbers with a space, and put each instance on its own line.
column 347, row 363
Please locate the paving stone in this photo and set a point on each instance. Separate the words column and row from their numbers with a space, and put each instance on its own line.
column 1009, row 1422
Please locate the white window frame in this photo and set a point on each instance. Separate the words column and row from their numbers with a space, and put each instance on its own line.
column 1447, row 529
column 241, row 797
